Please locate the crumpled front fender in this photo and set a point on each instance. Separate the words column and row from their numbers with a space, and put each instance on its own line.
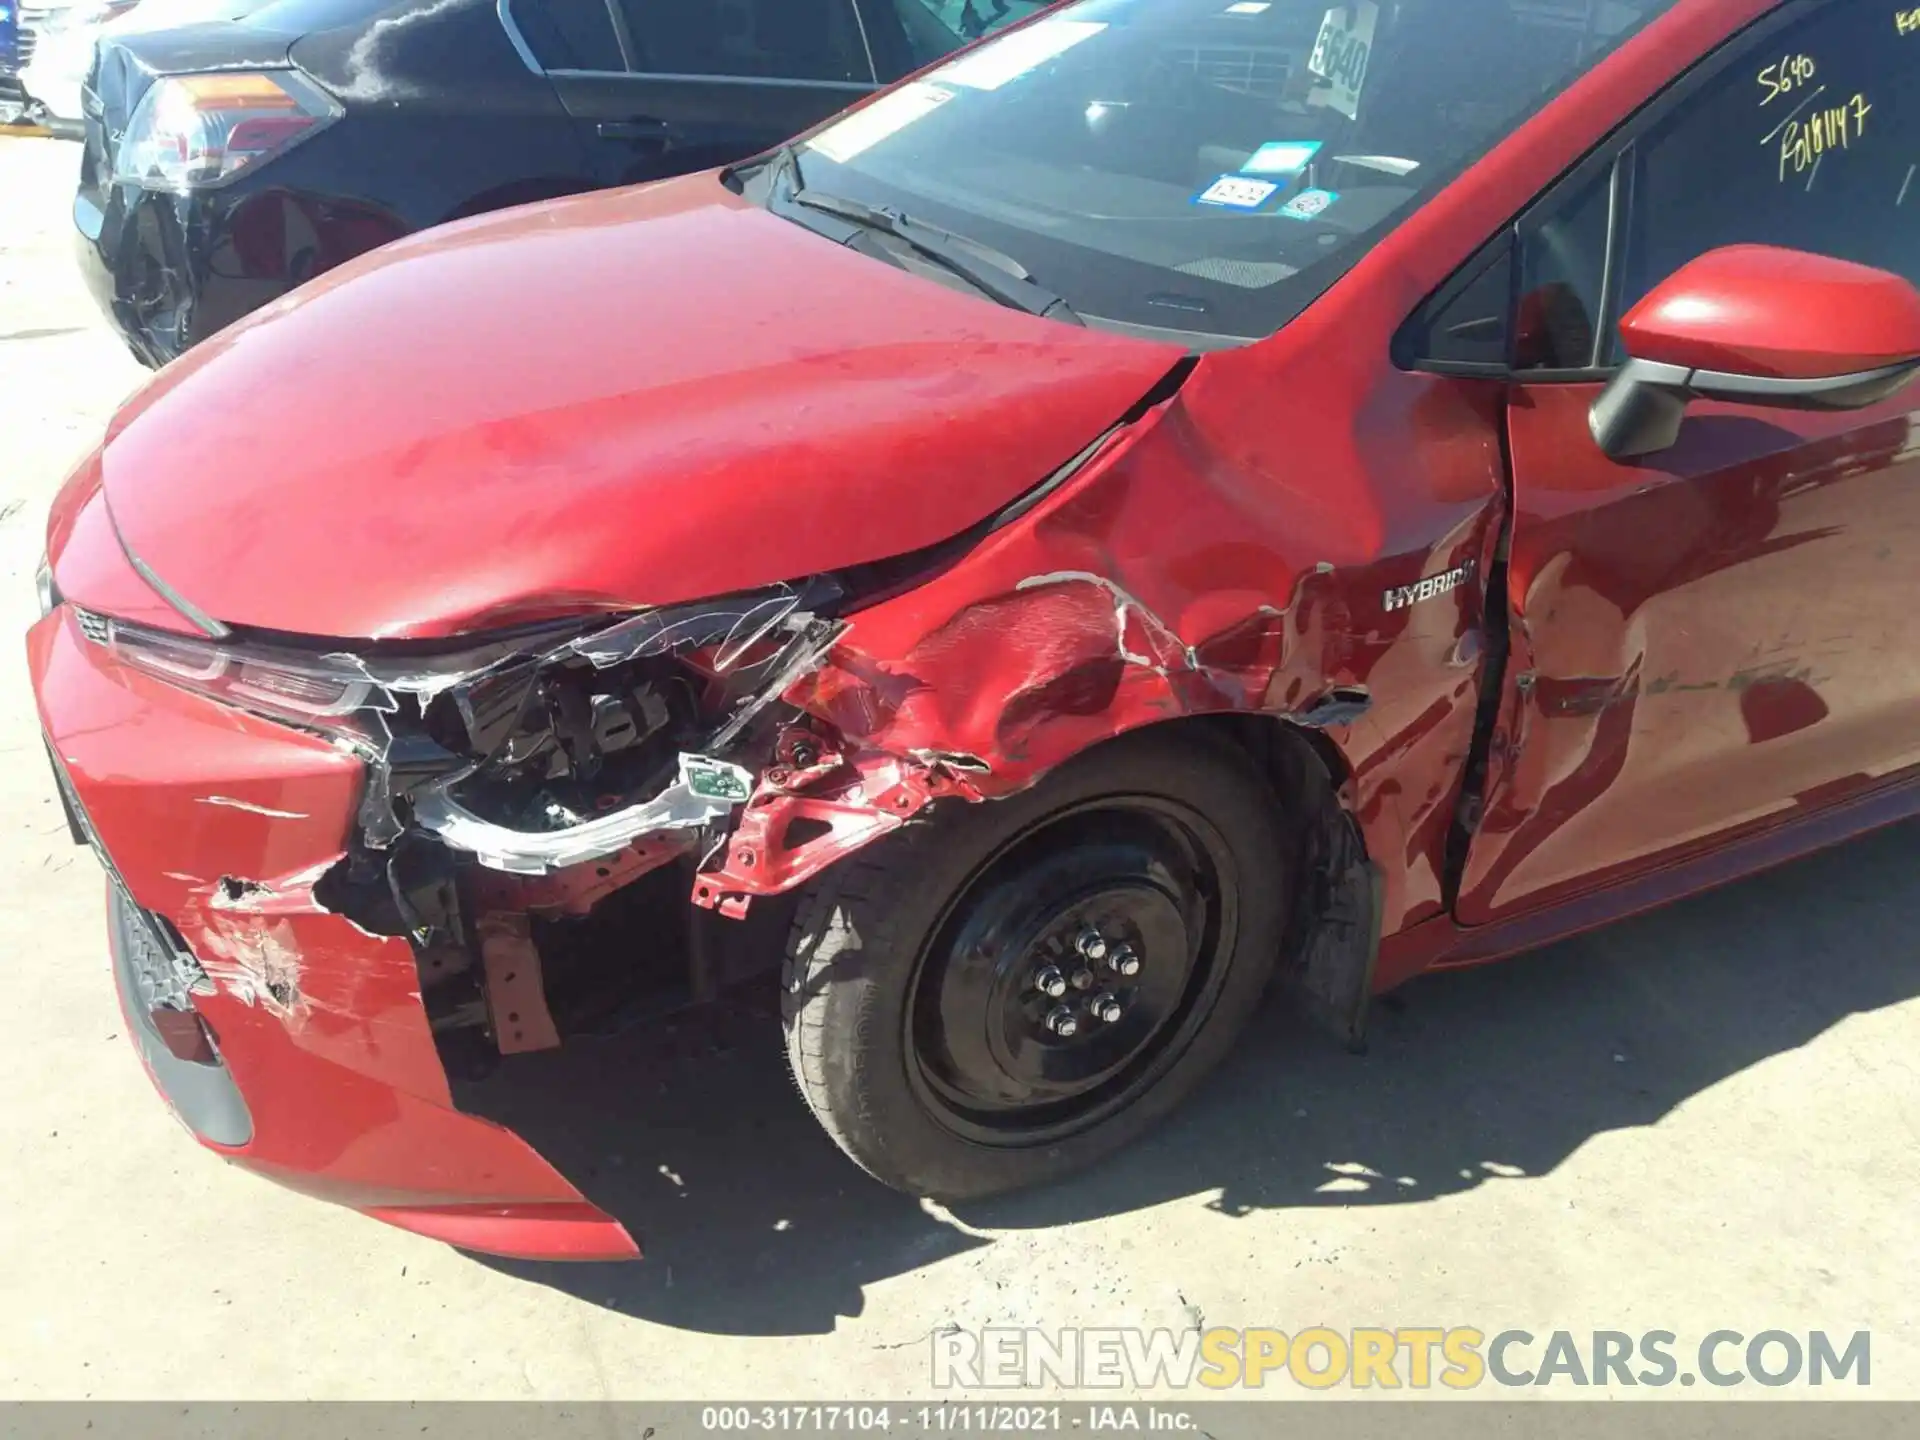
column 1162, row 581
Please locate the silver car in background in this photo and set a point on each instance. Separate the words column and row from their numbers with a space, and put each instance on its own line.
column 56, row 43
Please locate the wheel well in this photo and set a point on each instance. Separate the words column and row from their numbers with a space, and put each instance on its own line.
column 1333, row 934
column 519, row 192
column 1305, row 768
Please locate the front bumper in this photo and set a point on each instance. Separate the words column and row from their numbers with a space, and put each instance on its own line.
column 136, row 262
column 326, row 1077
column 18, row 110
column 172, row 270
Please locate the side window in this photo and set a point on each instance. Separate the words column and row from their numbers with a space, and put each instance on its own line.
column 1813, row 145
column 1535, row 302
column 752, row 39
column 1464, row 329
column 569, row 34
column 1560, row 307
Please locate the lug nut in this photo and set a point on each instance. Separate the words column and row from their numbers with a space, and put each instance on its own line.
column 1092, row 944
column 1050, row 982
column 1124, row 962
column 1062, row 1022
column 1107, row 1009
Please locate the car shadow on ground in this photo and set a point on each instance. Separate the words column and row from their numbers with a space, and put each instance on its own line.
column 754, row 1223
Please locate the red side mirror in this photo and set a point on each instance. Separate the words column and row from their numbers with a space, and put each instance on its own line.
column 1784, row 314
column 1758, row 326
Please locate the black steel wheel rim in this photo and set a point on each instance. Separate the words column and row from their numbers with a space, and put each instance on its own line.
column 1132, row 902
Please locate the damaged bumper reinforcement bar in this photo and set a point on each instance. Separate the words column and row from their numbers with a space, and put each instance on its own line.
column 707, row 791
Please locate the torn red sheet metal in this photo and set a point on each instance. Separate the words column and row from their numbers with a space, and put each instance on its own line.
column 1114, row 604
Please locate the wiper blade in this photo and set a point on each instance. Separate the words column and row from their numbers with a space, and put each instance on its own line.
column 786, row 166
column 773, row 164
column 990, row 271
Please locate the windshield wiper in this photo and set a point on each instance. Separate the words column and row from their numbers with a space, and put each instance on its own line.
column 784, row 164
column 992, row 272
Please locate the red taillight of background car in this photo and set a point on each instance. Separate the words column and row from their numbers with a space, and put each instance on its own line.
column 193, row 132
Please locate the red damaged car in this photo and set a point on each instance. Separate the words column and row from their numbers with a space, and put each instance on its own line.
column 1183, row 495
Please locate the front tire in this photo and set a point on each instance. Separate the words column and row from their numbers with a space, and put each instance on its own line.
column 1000, row 994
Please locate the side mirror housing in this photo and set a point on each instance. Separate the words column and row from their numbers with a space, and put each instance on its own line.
column 1757, row 325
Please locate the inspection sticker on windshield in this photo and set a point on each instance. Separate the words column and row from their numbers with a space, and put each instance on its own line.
column 884, row 118
column 1308, row 204
column 1237, row 192
column 1281, row 157
column 1019, row 53
column 1340, row 56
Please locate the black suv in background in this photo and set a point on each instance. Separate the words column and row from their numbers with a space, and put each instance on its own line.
column 228, row 161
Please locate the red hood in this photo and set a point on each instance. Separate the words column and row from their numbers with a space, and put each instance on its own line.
column 625, row 399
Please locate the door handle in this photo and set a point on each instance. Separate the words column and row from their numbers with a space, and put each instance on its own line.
column 641, row 127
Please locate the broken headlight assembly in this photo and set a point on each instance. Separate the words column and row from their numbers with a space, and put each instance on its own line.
column 537, row 750
column 318, row 692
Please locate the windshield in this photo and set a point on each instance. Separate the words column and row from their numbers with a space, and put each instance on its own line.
column 963, row 20
column 1208, row 166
